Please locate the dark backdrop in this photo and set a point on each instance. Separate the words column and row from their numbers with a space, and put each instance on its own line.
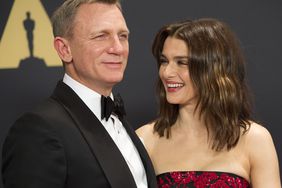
column 257, row 24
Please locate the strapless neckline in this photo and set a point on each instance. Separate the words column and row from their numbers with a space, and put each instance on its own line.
column 201, row 179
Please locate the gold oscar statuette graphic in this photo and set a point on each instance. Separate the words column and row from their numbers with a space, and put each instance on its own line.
column 27, row 34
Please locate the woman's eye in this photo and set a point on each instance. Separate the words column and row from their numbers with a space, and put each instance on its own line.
column 163, row 61
column 182, row 62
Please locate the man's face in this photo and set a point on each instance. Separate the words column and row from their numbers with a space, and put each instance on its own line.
column 98, row 46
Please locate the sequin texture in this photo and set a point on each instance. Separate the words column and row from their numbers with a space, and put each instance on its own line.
column 198, row 179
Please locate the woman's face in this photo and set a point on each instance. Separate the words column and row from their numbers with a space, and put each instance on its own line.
column 174, row 72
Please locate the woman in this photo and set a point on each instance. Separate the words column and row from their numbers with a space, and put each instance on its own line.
column 204, row 136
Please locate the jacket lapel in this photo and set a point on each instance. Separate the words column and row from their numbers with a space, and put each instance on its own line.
column 151, row 177
column 98, row 139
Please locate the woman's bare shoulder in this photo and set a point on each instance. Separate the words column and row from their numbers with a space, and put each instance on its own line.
column 257, row 133
column 258, row 140
column 146, row 130
column 262, row 157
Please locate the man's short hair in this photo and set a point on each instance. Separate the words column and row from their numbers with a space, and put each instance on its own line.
column 63, row 17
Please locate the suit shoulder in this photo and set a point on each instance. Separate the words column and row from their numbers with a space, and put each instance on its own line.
column 42, row 117
column 48, row 107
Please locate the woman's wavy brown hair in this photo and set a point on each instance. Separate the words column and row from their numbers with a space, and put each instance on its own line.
column 217, row 70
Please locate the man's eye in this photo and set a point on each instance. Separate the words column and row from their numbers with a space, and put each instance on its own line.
column 100, row 37
column 123, row 37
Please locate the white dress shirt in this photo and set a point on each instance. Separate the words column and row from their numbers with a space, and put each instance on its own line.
column 115, row 129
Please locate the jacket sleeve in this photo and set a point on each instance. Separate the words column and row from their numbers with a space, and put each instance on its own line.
column 33, row 155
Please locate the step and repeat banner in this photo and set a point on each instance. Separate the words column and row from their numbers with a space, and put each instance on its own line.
column 30, row 67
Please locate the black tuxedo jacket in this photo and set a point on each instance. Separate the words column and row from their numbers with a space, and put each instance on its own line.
column 61, row 144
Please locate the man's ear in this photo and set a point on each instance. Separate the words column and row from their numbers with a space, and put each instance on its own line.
column 63, row 49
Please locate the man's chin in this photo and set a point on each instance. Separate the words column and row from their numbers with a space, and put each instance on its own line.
column 114, row 81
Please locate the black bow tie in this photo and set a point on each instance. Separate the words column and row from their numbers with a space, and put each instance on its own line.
column 108, row 106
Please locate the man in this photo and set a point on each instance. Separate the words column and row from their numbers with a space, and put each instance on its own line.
column 68, row 142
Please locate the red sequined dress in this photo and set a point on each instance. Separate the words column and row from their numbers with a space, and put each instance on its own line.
column 201, row 179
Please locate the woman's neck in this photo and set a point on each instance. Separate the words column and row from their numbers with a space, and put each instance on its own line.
column 189, row 119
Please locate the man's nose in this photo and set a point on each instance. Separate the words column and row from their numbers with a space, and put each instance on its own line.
column 117, row 46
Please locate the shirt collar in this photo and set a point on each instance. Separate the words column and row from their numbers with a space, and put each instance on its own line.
column 91, row 98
